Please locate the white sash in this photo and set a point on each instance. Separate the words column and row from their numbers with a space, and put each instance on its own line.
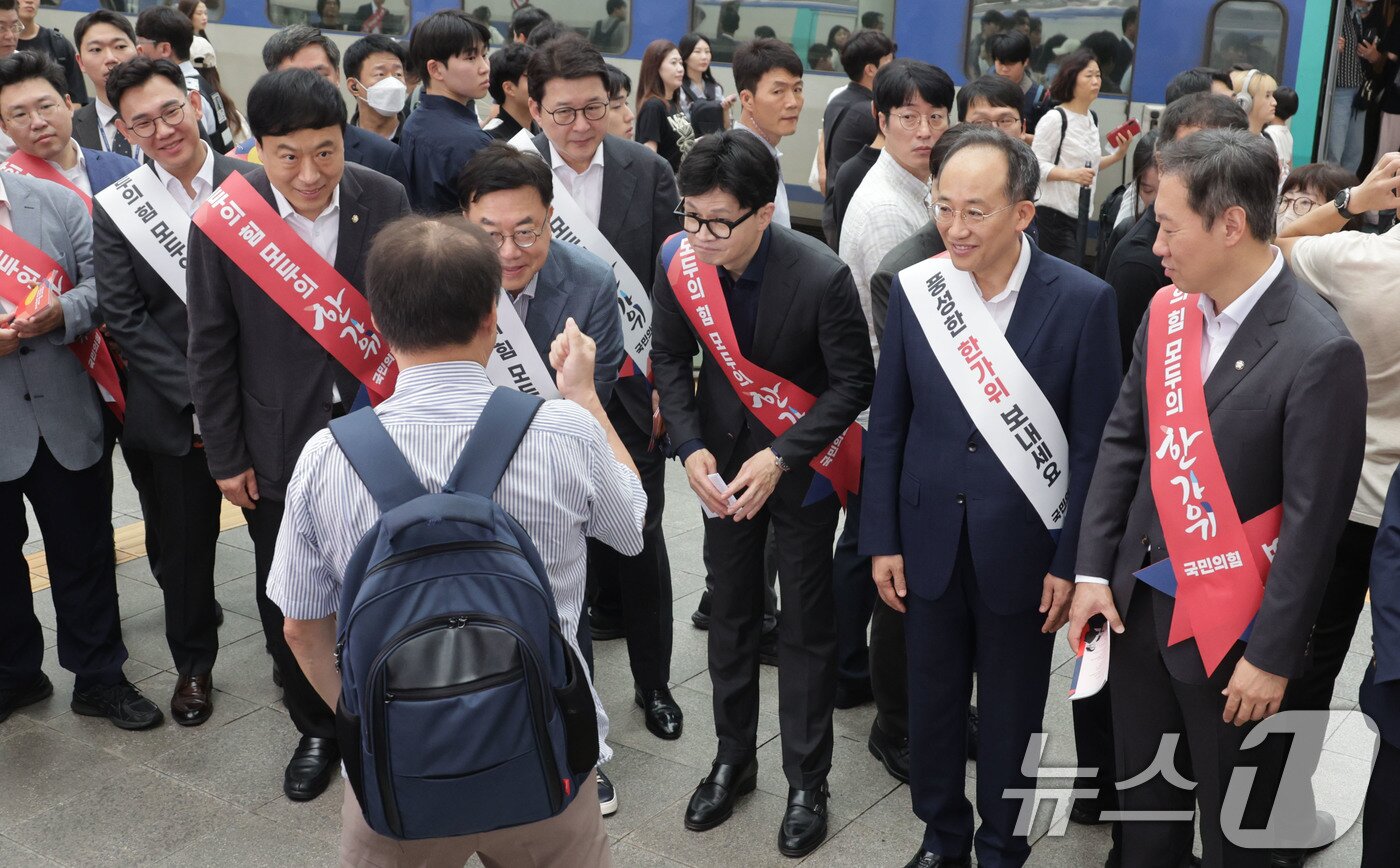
column 995, row 388
column 152, row 221
column 515, row 364
column 572, row 225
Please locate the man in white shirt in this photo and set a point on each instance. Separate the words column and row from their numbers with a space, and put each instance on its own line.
column 105, row 39
column 768, row 74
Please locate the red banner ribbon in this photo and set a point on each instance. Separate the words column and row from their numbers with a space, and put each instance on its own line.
column 21, row 163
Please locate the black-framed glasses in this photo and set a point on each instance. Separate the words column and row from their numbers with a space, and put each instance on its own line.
column 720, row 229
column 146, row 127
column 594, row 111
column 522, row 238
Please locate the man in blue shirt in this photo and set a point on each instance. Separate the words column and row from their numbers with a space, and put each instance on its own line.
column 450, row 50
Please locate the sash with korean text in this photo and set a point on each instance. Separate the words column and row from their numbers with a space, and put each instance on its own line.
column 243, row 225
column 776, row 402
column 570, row 224
column 515, row 364
column 1007, row 407
column 152, row 222
column 22, row 265
column 21, row 163
column 1221, row 582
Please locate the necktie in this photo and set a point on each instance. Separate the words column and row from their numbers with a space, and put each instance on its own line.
column 119, row 143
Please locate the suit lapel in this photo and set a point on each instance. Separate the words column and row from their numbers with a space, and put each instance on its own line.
column 354, row 220
column 619, row 183
column 547, row 307
column 775, row 298
column 1251, row 343
column 1033, row 304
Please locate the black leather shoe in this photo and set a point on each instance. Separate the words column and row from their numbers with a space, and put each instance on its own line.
column 664, row 717
column 314, row 763
column 852, row 694
column 1287, row 858
column 713, row 801
column 276, row 674
column 701, row 616
column 972, row 722
column 804, row 825
column 1087, row 812
column 892, row 753
column 768, row 648
column 13, row 700
column 930, row 859
column 604, row 626
column 193, row 701
column 121, row 703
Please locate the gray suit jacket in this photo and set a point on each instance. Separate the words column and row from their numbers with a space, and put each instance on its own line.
column 575, row 283
column 44, row 391
column 261, row 385
column 1290, row 427
column 151, row 325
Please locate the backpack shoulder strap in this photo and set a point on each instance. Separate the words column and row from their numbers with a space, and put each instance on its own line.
column 376, row 459
column 493, row 442
column 1064, row 128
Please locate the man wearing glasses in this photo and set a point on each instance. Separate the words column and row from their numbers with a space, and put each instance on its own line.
column 766, row 438
column 999, row 370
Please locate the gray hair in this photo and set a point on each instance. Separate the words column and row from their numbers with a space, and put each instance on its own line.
column 1023, row 169
column 1223, row 169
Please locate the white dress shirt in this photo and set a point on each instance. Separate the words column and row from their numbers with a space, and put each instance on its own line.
column 1003, row 304
column 782, row 214
column 323, row 234
column 107, row 127
column 586, row 187
column 203, row 184
column 77, row 176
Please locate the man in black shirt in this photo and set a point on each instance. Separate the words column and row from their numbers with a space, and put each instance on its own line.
column 51, row 41
column 849, row 123
column 509, row 91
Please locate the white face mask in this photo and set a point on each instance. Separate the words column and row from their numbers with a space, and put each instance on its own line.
column 387, row 96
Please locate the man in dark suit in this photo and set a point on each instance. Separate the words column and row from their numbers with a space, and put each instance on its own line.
column 971, row 532
column 1278, row 374
column 1380, row 689
column 605, row 175
column 848, row 122
column 372, row 17
column 261, row 384
column 145, row 313
column 104, row 39
column 795, row 313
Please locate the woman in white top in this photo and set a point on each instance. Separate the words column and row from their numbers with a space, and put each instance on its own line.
column 1071, row 154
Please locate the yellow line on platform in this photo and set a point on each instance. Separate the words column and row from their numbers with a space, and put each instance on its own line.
column 130, row 543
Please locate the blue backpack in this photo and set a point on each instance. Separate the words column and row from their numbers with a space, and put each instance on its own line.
column 462, row 708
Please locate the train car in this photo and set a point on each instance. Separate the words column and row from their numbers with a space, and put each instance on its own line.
column 1287, row 38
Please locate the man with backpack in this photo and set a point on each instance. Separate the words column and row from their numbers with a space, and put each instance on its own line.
column 1011, row 58
column 459, row 673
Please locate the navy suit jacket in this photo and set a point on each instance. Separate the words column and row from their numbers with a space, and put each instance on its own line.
column 105, row 168
column 372, row 151
column 928, row 469
column 1380, row 689
column 575, row 283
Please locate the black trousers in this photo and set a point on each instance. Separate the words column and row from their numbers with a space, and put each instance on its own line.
column 308, row 710
column 74, row 511
column 949, row 639
column 1380, row 823
column 806, row 633
column 639, row 587
column 1059, row 234
column 1336, row 620
column 770, row 580
column 181, row 503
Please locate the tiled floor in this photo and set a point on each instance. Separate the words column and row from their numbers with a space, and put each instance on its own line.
column 77, row 791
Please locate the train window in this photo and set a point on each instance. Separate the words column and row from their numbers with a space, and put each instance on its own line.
column 605, row 23
column 816, row 31
column 215, row 8
column 389, row 17
column 1055, row 29
column 1247, row 34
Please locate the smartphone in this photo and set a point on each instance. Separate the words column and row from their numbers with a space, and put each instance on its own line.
column 1121, row 134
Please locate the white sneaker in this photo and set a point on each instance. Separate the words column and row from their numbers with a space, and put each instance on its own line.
column 607, row 795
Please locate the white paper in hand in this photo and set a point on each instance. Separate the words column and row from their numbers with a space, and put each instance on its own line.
column 720, row 485
column 1091, row 666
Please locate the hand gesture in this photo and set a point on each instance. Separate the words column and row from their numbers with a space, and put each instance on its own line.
column 572, row 356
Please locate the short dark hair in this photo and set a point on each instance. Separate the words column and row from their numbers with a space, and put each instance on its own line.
column 546, row 31
column 526, row 19
column 283, row 45
column 1209, row 111
column 1062, row 88
column 1104, row 45
column 1130, row 17
column 618, row 82
column 137, row 71
column 733, row 161
column 500, row 166
column 508, row 63
column 9, row 5
column 729, row 16
column 614, row 5
column 1326, row 178
column 166, row 24
column 816, row 53
column 26, row 65
column 375, row 43
column 865, row 48
column 1023, row 168
column 871, row 20
column 992, row 16
column 901, row 80
column 1195, row 80
column 757, row 57
column 1286, row 103
column 993, row 90
column 763, row 31
column 1223, row 169
column 431, row 281
column 1010, row 47
column 291, row 100
column 102, row 16
column 444, row 35
column 569, row 57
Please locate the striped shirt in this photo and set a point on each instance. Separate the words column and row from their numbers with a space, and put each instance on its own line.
column 563, row 485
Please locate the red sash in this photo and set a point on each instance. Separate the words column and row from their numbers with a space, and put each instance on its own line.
column 1194, row 504
column 243, row 225
column 22, row 265
column 776, row 402
column 21, row 163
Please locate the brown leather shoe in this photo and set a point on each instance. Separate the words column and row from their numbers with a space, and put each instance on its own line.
column 193, row 701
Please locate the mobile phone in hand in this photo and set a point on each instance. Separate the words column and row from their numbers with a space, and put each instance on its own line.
column 1121, row 134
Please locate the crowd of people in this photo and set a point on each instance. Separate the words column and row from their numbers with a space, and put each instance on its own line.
column 441, row 365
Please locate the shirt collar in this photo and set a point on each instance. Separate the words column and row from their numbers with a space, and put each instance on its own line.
column 437, row 102
column 529, row 290
column 904, row 183
column 1239, row 309
column 739, row 125
column 78, row 168
column 432, row 378
column 285, row 209
column 105, row 113
column 556, row 162
column 206, row 173
column 753, row 272
column 1018, row 274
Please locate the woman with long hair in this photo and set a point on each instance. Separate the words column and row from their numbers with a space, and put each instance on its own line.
column 1137, row 197
column 661, row 125
column 198, row 13
column 700, row 88
column 837, row 38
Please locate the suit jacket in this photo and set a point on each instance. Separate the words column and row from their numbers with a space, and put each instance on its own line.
column 1136, row 274
column 575, row 283
column 1290, row 426
column 924, row 243
column 87, row 129
column 105, row 168
column 372, row 151
column 928, row 469
column 261, row 385
column 393, row 24
column 1380, row 688
column 151, row 325
column 810, row 330
column 43, row 388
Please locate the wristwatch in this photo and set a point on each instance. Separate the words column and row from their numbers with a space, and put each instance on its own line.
column 779, row 460
column 1342, row 199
